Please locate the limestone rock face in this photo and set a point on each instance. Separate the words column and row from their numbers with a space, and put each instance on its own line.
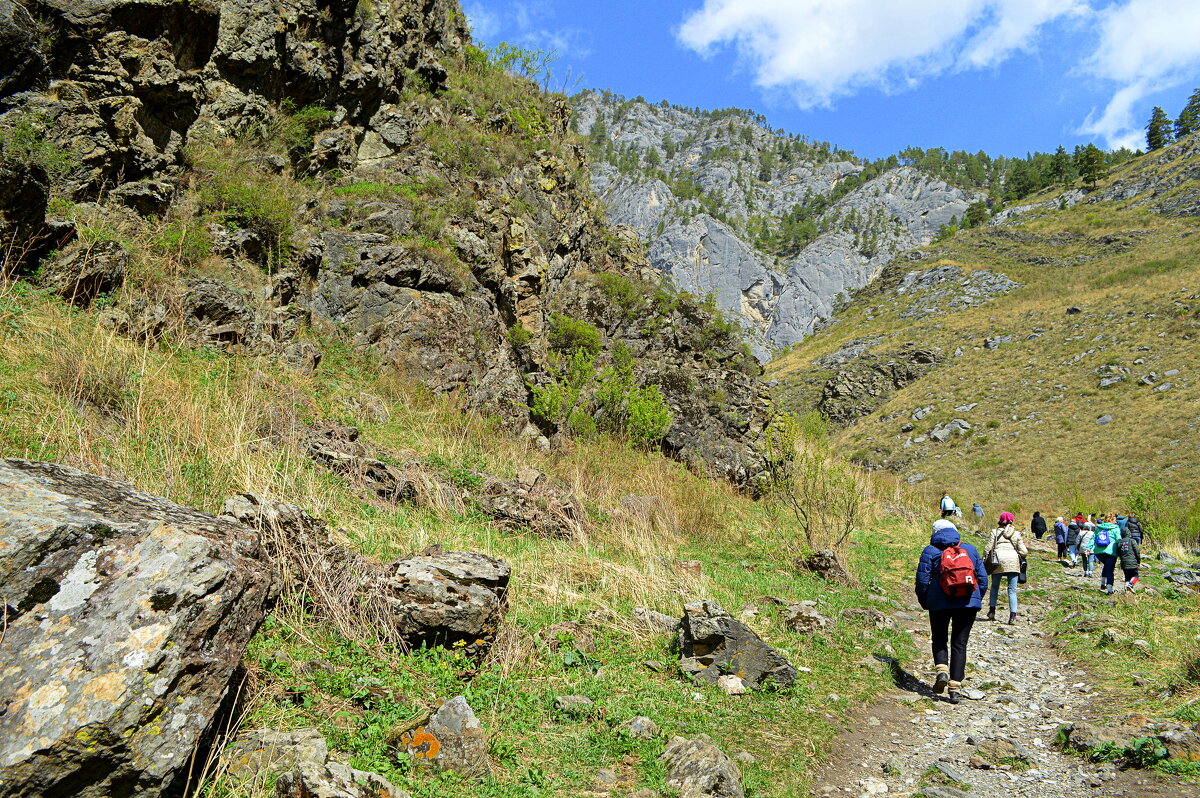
column 777, row 296
column 127, row 619
column 713, row 643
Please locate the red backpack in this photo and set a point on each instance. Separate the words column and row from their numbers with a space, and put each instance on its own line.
column 957, row 573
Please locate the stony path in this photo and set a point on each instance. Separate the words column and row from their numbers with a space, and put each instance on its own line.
column 1001, row 743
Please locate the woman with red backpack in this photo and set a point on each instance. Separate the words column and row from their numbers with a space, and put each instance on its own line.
column 950, row 584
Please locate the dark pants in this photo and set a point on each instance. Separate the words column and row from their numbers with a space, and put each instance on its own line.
column 1130, row 573
column 1038, row 535
column 1109, row 567
column 1062, row 550
column 947, row 513
column 951, row 646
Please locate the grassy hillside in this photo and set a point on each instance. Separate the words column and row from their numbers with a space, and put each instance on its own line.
column 199, row 425
column 1034, row 442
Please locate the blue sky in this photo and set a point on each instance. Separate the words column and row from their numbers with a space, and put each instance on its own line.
column 874, row 76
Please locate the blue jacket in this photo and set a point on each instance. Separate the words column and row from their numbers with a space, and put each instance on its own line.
column 929, row 592
column 1060, row 532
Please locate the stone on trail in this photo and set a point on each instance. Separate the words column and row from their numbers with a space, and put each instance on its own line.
column 732, row 685
column 713, row 643
column 334, row 780
column 127, row 618
column 698, row 769
column 656, row 621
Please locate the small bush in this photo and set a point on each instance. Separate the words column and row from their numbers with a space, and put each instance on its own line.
column 23, row 143
column 569, row 335
column 248, row 198
column 518, row 336
column 623, row 293
column 186, row 241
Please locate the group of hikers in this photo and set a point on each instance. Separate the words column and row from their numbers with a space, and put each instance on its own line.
column 952, row 578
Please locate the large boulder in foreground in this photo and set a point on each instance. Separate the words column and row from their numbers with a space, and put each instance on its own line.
column 436, row 599
column 127, row 618
column 713, row 644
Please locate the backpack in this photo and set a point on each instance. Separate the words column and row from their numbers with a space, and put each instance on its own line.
column 1103, row 541
column 1125, row 547
column 956, row 574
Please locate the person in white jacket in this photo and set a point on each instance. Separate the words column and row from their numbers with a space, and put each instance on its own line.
column 1009, row 547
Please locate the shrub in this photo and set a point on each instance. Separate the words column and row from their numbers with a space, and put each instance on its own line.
column 518, row 336
column 188, row 242
column 23, row 143
column 248, row 198
column 83, row 380
column 568, row 335
column 623, row 293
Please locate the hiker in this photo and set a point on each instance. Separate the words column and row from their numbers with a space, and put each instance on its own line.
column 1038, row 525
column 1087, row 547
column 1129, row 554
column 1074, row 534
column 1107, row 535
column 950, row 584
column 977, row 511
column 1079, row 519
column 1060, row 537
column 948, row 506
column 1135, row 529
column 1007, row 549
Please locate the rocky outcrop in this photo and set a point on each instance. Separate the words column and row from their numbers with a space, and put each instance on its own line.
column 865, row 383
column 436, row 599
column 700, row 189
column 444, row 231
column 712, row 643
column 127, row 617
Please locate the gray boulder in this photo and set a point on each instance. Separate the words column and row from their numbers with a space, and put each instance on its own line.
column 447, row 598
column 452, row 740
column 84, row 271
column 264, row 751
column 698, row 769
column 804, row 618
column 334, row 780
column 713, row 643
column 127, row 619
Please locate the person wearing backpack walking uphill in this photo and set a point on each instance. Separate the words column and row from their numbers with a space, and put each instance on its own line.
column 1135, row 529
column 948, row 506
column 1006, row 549
column 950, row 585
column 1129, row 554
column 1107, row 535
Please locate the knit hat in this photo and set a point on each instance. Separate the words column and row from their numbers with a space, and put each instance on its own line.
column 942, row 523
column 1007, row 518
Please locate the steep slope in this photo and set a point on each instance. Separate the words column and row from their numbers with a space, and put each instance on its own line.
column 1045, row 362
column 774, row 226
column 361, row 165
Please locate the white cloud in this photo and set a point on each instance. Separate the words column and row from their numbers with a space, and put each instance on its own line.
column 822, row 49
column 485, row 25
column 521, row 22
column 1145, row 46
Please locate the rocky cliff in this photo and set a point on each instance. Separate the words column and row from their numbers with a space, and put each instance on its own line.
column 775, row 226
column 358, row 165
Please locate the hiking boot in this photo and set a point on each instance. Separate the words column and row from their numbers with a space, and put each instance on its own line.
column 1108, row 591
column 1012, row 618
column 991, row 616
column 940, row 682
column 953, row 697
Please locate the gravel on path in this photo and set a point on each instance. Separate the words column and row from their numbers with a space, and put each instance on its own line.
column 1000, row 743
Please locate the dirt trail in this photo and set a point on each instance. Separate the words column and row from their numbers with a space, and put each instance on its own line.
column 1024, row 690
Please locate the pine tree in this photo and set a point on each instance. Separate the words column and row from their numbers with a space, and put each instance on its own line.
column 1189, row 118
column 1158, row 130
column 1090, row 162
column 1060, row 166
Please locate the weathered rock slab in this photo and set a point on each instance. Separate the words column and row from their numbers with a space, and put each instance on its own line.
column 713, row 644
column 698, row 769
column 127, row 619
